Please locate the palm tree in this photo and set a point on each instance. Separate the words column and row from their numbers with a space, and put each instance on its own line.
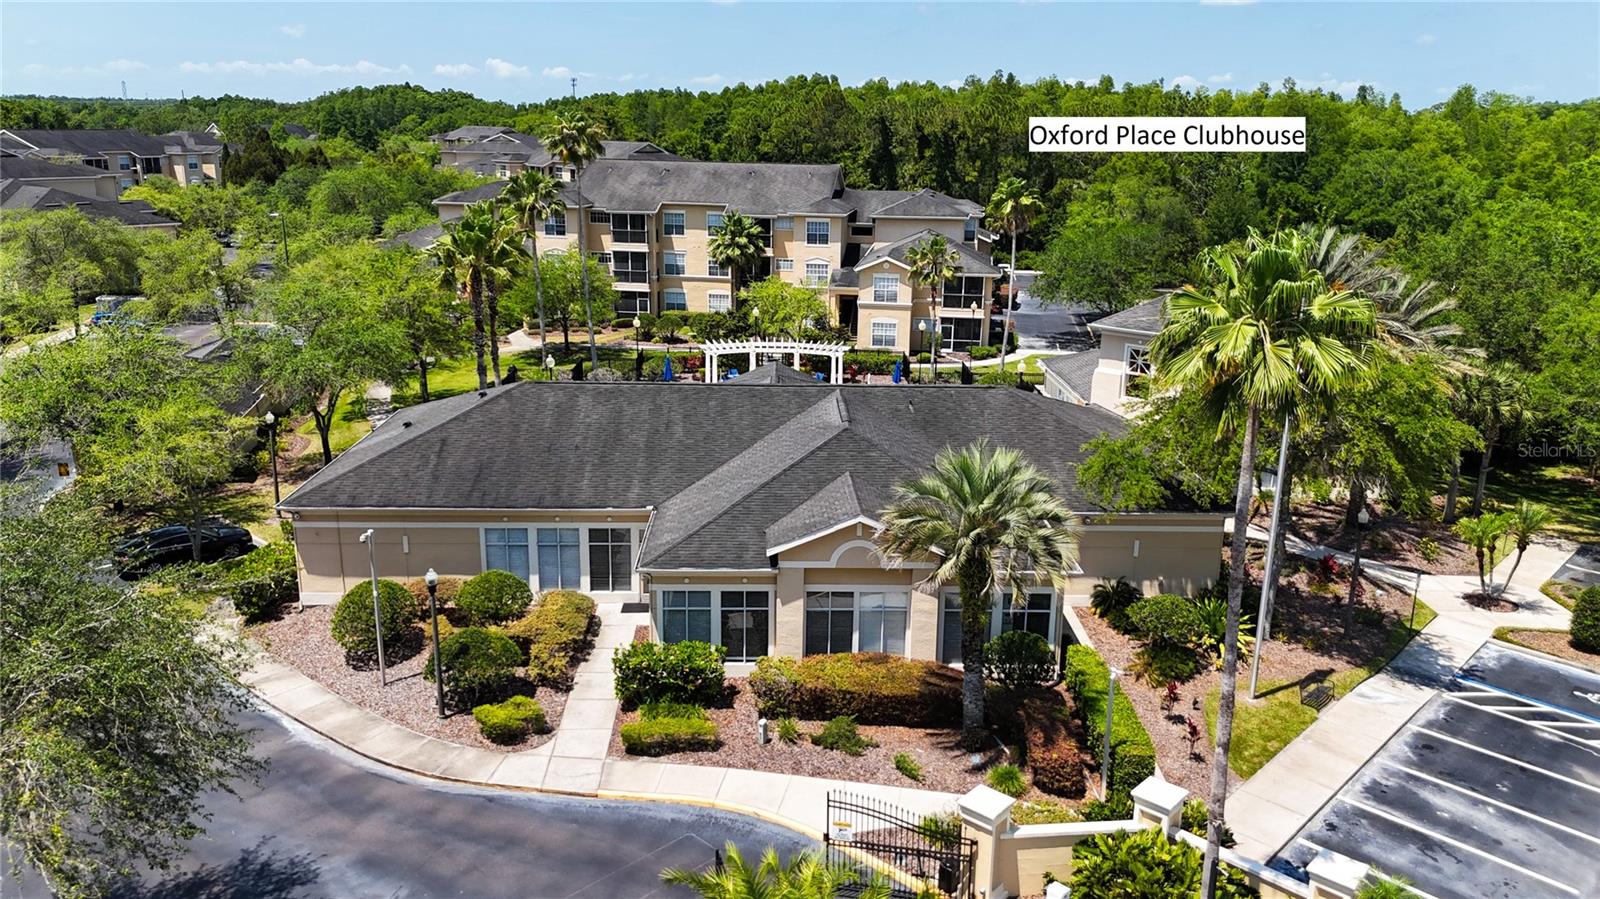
column 992, row 520
column 533, row 197
column 477, row 253
column 1013, row 207
column 1483, row 534
column 806, row 876
column 1496, row 401
column 1264, row 330
column 1527, row 521
column 576, row 142
column 737, row 247
column 933, row 262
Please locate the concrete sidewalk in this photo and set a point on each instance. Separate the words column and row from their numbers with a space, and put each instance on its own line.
column 576, row 761
column 1267, row 810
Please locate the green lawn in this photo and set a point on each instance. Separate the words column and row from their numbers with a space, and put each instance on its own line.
column 1574, row 498
column 349, row 423
column 1262, row 728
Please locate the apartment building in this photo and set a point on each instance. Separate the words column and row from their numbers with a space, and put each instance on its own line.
column 650, row 219
column 501, row 152
column 188, row 157
column 1116, row 374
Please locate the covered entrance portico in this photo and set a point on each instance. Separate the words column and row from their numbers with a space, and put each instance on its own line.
column 755, row 350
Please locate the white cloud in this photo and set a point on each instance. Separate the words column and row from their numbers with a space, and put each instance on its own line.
column 109, row 67
column 1224, row 78
column 293, row 30
column 556, row 72
column 1187, row 82
column 455, row 70
column 706, row 79
column 499, row 68
column 1427, row 40
column 1337, row 85
column 298, row 66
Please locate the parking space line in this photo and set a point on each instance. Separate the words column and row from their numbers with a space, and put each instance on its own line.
column 1492, row 801
column 1504, row 758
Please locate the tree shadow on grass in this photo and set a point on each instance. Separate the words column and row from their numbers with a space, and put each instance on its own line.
column 258, row 873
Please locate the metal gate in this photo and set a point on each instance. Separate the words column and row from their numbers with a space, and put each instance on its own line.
column 928, row 851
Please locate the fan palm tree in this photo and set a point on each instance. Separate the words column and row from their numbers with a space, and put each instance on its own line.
column 933, row 262
column 737, row 247
column 806, row 876
column 1496, row 402
column 991, row 519
column 1483, row 534
column 477, row 253
column 1263, row 330
column 576, row 142
column 1526, row 521
column 1013, row 206
column 533, row 197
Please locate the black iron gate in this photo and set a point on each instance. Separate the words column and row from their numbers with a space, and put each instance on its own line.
column 929, row 851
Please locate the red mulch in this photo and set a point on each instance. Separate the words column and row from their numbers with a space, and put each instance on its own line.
column 1555, row 643
column 302, row 640
column 1391, row 538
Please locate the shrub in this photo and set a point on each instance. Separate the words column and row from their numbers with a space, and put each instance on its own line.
column 876, row 362
column 1132, row 753
column 1053, row 754
column 669, row 325
column 1115, row 808
column 493, row 597
column 510, row 721
column 690, row 671
column 1160, row 663
column 841, row 735
column 1194, row 821
column 259, row 581
column 874, row 688
column 446, row 628
column 1019, row 660
column 449, row 588
column 476, row 661
column 1211, row 614
column 1585, row 633
column 1380, row 887
column 788, row 730
column 654, row 711
column 1007, row 779
column 556, row 633
column 1327, row 569
column 661, row 736
column 1166, row 619
column 942, row 831
column 1111, row 601
column 1043, row 811
column 1144, row 864
column 905, row 764
column 994, row 377
column 352, row 617
column 924, row 358
column 983, row 352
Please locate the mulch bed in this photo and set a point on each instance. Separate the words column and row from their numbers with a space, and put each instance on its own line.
column 1308, row 641
column 945, row 766
column 302, row 640
column 1391, row 538
column 1555, row 643
column 1489, row 602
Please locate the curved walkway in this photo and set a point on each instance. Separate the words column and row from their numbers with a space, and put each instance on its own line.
column 576, row 761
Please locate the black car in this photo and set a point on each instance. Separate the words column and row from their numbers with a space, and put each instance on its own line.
column 172, row 545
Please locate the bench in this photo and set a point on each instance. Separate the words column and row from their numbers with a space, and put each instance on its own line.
column 1315, row 694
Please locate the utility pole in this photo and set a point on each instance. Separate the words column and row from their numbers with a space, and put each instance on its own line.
column 124, row 90
column 574, row 87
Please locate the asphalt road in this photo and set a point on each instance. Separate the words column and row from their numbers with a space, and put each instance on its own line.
column 1583, row 568
column 325, row 823
column 1042, row 326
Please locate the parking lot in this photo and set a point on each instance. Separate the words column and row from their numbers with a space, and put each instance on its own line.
column 1583, row 568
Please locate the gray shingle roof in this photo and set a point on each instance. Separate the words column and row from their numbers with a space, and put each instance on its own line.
column 89, row 141
column 471, row 132
column 421, row 238
column 192, row 142
column 971, row 262
column 753, row 188
column 773, row 470
column 33, row 168
column 1076, row 369
column 929, row 203
column 1143, row 318
column 15, row 194
column 773, row 373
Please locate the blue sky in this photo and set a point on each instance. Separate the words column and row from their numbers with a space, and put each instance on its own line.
column 523, row 52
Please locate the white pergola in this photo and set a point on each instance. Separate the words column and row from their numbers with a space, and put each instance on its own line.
column 715, row 349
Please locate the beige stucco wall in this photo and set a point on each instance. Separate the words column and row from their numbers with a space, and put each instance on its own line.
column 1109, row 375
column 889, row 230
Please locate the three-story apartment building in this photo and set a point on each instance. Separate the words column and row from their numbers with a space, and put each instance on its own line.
column 189, row 157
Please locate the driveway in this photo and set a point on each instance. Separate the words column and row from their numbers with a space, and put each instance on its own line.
column 327, row 823
column 1043, row 326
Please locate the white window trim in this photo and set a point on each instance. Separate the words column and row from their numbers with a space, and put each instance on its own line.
column 526, row 528
column 806, row 272
column 726, row 298
column 680, row 258
column 685, row 225
column 897, row 284
column 634, row 529
column 785, row 264
column 826, row 223
column 1128, row 349
column 656, row 608
column 720, row 215
column 894, row 337
column 996, row 614
column 855, row 592
column 777, row 223
column 664, row 300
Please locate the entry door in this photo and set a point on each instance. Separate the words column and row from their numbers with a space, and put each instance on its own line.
column 847, row 312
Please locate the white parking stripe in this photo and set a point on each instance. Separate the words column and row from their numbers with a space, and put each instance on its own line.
column 1505, row 758
column 1492, row 801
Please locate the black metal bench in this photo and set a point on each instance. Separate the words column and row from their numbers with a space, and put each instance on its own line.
column 1315, row 694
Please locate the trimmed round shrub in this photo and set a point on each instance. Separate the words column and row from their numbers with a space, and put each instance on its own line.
column 983, row 352
column 557, row 632
column 1165, row 663
column 842, row 735
column 352, row 617
column 1586, row 621
column 510, row 721
column 1167, row 618
column 476, row 661
column 1019, row 660
column 493, row 597
column 448, row 588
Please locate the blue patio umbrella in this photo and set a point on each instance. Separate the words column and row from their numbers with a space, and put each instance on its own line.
column 666, row 369
column 897, row 371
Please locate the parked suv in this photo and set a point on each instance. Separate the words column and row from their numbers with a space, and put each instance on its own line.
column 171, row 545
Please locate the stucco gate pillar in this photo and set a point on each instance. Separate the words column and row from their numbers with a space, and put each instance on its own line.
column 985, row 815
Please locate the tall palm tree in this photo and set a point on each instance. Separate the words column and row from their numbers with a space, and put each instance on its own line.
column 933, row 262
column 991, row 519
column 1263, row 329
column 1496, row 402
column 533, row 197
column 1013, row 207
column 806, row 876
column 576, row 141
column 479, row 252
column 1527, row 521
column 737, row 247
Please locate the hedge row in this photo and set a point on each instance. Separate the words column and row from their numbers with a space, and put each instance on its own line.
column 1133, row 755
column 690, row 671
column 556, row 632
column 667, row 727
column 1053, row 754
column 874, row 688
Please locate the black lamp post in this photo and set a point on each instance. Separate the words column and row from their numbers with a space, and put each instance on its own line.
column 638, row 358
column 432, row 580
column 1362, row 518
column 272, row 450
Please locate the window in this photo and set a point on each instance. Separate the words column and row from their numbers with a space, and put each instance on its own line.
column 784, row 223
column 672, row 223
column 610, row 559
column 125, row 163
column 882, row 623
column 950, row 627
column 884, row 334
column 556, row 224
column 502, row 170
column 629, row 268
column 885, row 288
column 506, row 549
column 685, row 615
column 1034, row 617
column 599, row 217
column 745, row 615
column 961, row 292
column 816, row 232
column 861, row 229
column 719, row 301
column 558, row 559
column 125, row 182
column 627, row 227
column 601, row 259
column 150, row 165
column 969, row 231
column 193, row 162
column 713, row 221
column 817, row 272
column 830, row 621
column 715, row 269
column 631, row 303
column 674, row 263
column 97, row 163
column 785, row 265
column 674, row 300
column 1136, row 361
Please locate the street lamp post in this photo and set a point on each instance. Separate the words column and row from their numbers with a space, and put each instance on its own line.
column 933, row 351
column 1105, row 747
column 550, row 367
column 284, row 222
column 377, row 612
column 1355, row 569
column 432, row 580
column 272, row 450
